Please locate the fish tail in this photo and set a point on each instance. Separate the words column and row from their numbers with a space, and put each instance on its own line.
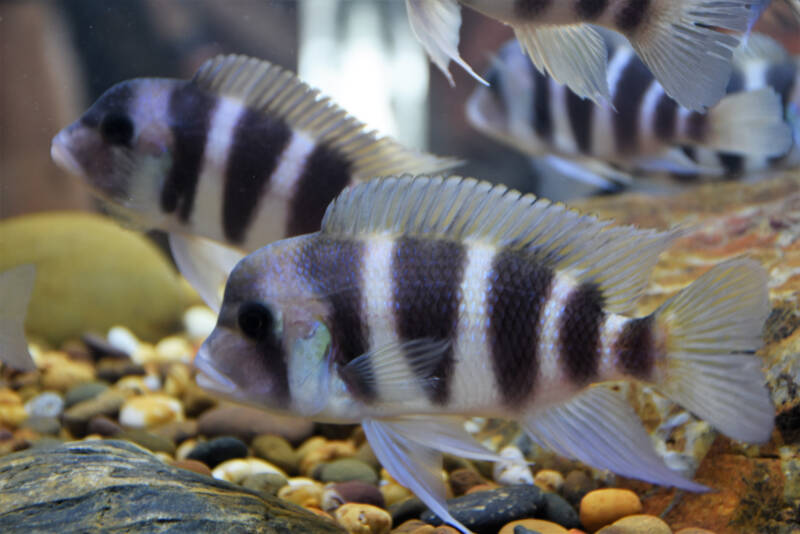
column 750, row 122
column 16, row 286
column 685, row 45
column 710, row 331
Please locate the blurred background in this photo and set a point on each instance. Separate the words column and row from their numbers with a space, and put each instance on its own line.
column 58, row 57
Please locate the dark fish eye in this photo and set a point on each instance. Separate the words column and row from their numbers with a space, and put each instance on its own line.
column 116, row 129
column 255, row 320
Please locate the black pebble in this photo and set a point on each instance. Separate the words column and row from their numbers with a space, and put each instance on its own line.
column 408, row 509
column 214, row 452
column 558, row 510
column 484, row 512
column 519, row 529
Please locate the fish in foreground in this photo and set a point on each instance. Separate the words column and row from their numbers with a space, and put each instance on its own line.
column 423, row 301
column 244, row 153
column 16, row 287
column 644, row 132
column 681, row 41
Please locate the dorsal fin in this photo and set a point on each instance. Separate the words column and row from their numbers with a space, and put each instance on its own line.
column 268, row 88
column 618, row 259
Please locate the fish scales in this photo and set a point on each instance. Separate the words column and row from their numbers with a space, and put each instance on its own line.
column 422, row 301
column 652, row 135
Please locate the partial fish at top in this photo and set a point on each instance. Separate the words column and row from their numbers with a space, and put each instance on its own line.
column 423, row 301
column 244, row 153
column 16, row 287
column 644, row 132
column 687, row 44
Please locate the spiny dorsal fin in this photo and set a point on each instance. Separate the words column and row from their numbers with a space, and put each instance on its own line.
column 618, row 259
column 268, row 88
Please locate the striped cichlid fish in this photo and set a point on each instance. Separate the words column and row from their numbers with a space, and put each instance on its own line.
column 643, row 131
column 687, row 44
column 16, row 287
column 244, row 153
column 423, row 301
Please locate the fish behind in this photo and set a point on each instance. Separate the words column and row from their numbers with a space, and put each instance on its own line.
column 242, row 154
column 423, row 301
column 16, row 287
column 687, row 44
column 643, row 131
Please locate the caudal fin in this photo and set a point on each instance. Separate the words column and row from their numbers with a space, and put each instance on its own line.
column 749, row 123
column 16, row 286
column 712, row 328
column 684, row 45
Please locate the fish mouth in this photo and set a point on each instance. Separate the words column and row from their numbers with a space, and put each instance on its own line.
column 63, row 156
column 208, row 377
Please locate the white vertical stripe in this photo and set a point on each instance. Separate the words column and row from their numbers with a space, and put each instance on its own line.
column 472, row 383
column 270, row 220
column 206, row 215
column 603, row 145
column 612, row 326
column 647, row 116
column 553, row 385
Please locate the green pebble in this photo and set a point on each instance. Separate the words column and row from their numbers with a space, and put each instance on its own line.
column 147, row 440
column 344, row 470
column 277, row 451
column 43, row 425
column 82, row 392
column 268, row 483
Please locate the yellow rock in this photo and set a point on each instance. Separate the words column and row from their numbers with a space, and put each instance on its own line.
column 604, row 506
column 150, row 410
column 91, row 275
column 359, row 518
column 303, row 491
column 637, row 524
column 537, row 525
column 549, row 480
column 394, row 493
column 694, row 530
column 60, row 372
column 332, row 450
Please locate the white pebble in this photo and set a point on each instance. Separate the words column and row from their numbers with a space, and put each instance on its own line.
column 152, row 382
column 238, row 469
column 150, row 410
column 174, row 349
column 199, row 321
column 47, row 404
column 123, row 339
column 514, row 470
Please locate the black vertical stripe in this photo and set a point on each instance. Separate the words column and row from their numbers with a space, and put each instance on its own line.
column 666, row 118
column 632, row 85
column 580, row 112
column 732, row 163
column 542, row 119
column 635, row 349
column 590, row 9
column 781, row 77
column 334, row 269
column 189, row 115
column 117, row 101
column 529, row 9
column 255, row 152
column 426, row 280
column 325, row 174
column 736, row 81
column 579, row 333
column 632, row 14
column 515, row 301
column 697, row 126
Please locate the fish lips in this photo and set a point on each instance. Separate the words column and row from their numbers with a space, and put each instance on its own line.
column 62, row 155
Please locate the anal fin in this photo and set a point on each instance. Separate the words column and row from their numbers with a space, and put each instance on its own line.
column 600, row 429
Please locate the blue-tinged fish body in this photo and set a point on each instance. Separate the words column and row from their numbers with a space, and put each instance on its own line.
column 425, row 300
column 643, row 131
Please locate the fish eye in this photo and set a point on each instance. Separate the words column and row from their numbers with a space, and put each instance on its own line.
column 116, row 129
column 256, row 321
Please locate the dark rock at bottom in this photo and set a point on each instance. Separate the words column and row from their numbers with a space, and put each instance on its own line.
column 93, row 486
column 484, row 512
